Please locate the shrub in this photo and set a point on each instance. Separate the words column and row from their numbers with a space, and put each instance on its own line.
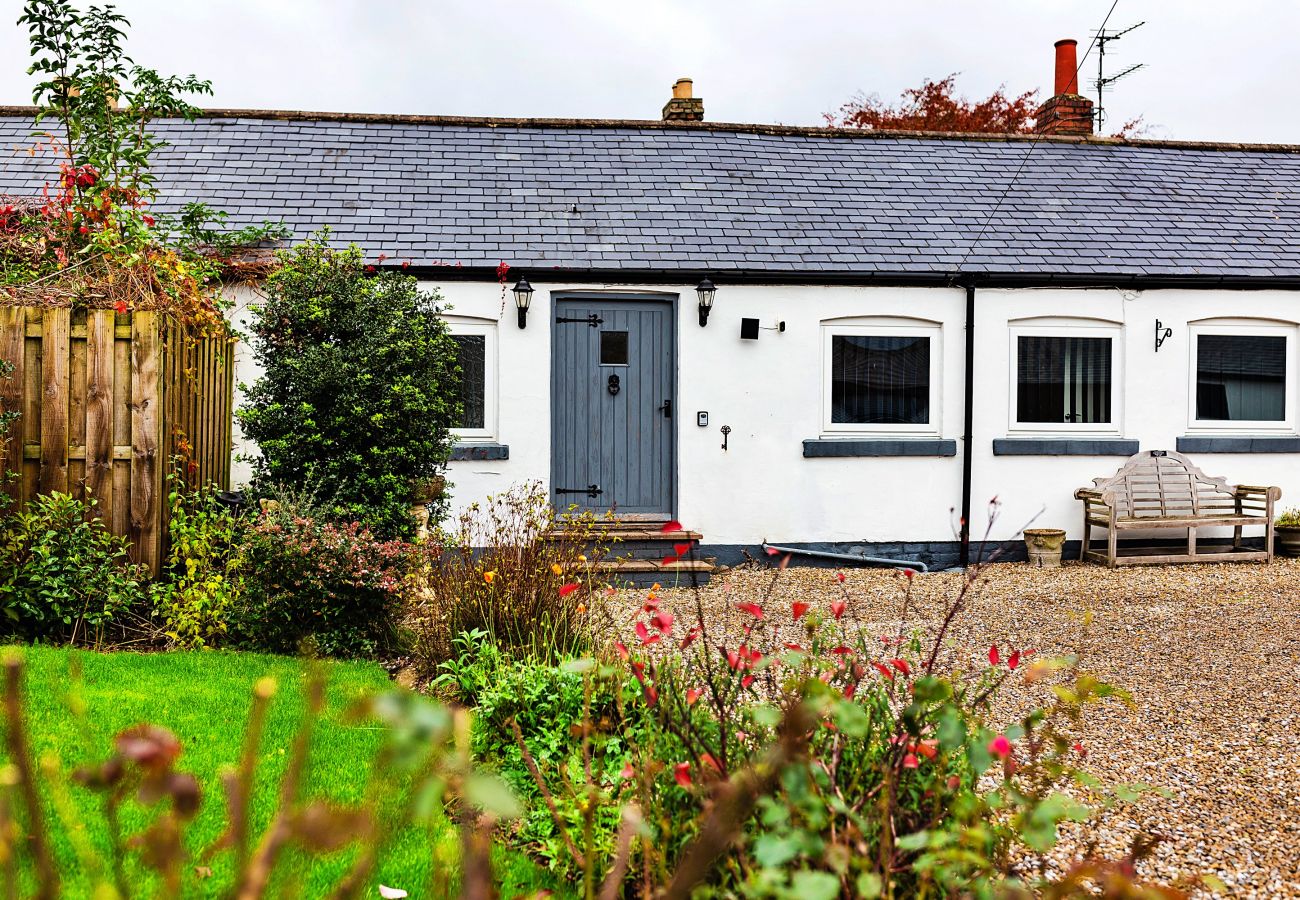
column 334, row 586
column 203, row 577
column 1289, row 518
column 505, row 575
column 63, row 575
column 847, row 764
column 360, row 385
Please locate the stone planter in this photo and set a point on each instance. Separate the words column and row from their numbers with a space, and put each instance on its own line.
column 1286, row 540
column 1044, row 547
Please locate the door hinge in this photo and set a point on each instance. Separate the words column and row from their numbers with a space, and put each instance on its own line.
column 593, row 320
column 591, row 490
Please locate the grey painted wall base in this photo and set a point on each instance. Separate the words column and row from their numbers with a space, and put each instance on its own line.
column 815, row 448
column 461, row 452
column 1063, row 447
column 1238, row 444
column 937, row 555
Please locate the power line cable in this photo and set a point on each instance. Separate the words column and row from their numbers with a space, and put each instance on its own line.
column 1025, row 159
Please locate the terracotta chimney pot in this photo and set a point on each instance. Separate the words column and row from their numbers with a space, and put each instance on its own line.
column 683, row 107
column 1067, row 67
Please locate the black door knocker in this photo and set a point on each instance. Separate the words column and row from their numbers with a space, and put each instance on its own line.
column 613, row 386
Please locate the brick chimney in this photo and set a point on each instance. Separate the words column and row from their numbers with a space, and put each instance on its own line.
column 683, row 107
column 1066, row 111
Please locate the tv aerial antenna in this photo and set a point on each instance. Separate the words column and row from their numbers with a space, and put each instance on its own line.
column 1104, row 81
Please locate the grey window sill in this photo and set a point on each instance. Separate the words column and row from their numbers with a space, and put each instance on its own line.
column 1064, row 447
column 1242, row 443
column 817, row 448
column 479, row 451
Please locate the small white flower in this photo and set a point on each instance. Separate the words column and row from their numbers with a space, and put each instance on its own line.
column 391, row 893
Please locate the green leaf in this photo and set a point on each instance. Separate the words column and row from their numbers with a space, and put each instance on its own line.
column 952, row 728
column 851, row 719
column 775, row 850
column 917, row 840
column 869, row 885
column 809, row 885
column 491, row 794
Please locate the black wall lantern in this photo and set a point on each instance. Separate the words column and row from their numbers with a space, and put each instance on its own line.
column 705, row 291
column 523, row 297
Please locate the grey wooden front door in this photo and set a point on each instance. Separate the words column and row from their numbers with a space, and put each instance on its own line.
column 612, row 406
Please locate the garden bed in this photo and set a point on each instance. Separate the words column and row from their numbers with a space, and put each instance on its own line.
column 1209, row 653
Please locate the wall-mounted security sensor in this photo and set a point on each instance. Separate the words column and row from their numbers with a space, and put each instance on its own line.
column 702, row 419
column 749, row 329
column 778, row 326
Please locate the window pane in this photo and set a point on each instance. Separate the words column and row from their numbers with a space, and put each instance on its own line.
column 1241, row 378
column 880, row 380
column 613, row 348
column 1063, row 379
column 472, row 356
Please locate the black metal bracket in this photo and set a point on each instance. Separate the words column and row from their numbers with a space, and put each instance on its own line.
column 591, row 490
column 1162, row 334
column 593, row 320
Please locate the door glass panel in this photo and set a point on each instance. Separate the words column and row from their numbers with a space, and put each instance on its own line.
column 613, row 348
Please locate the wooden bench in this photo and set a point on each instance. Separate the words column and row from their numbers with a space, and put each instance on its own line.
column 1161, row 489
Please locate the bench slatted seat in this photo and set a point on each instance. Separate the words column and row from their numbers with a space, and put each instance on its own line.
column 1160, row 489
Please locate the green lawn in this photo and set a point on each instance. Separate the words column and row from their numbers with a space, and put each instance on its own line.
column 204, row 699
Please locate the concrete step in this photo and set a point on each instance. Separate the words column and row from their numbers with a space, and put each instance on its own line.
column 636, row 553
column 644, row 573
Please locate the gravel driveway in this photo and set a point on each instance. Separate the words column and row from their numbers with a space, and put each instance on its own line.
column 1211, row 654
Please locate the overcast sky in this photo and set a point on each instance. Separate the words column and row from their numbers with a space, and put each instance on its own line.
column 1214, row 71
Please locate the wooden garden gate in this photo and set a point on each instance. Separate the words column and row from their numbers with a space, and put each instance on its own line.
column 105, row 400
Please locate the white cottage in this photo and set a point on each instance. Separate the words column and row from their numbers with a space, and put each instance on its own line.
column 900, row 326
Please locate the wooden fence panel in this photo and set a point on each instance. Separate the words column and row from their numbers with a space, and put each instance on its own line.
column 105, row 400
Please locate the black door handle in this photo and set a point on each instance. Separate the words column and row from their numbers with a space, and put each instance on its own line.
column 667, row 409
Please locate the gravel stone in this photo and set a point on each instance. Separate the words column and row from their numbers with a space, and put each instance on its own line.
column 1211, row 654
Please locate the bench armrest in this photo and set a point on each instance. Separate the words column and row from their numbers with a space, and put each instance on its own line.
column 1088, row 494
column 1266, row 493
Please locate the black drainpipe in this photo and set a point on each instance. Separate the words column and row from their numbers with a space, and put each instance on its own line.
column 968, row 426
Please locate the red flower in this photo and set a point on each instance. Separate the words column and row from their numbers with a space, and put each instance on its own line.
column 883, row 671
column 794, row 647
column 752, row 608
column 1000, row 746
column 693, row 694
column 681, row 549
column 840, row 576
column 674, row 525
column 622, row 650
column 662, row 621
column 747, row 681
column 627, row 772
column 1014, row 660
column 370, row 270
column 910, row 761
column 798, row 608
column 406, row 264
column 837, row 608
column 709, row 760
column 902, row 666
column 567, row 589
column 733, row 658
column 669, row 560
column 993, row 655
column 929, row 749
column 842, row 651
column 1080, row 749
column 772, row 551
column 150, row 221
column 910, row 573
column 644, row 635
column 120, row 307
column 682, row 774
column 84, row 230
column 690, row 637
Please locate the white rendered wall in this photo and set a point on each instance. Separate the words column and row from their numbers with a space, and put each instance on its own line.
column 769, row 391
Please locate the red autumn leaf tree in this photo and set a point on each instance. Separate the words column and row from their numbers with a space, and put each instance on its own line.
column 935, row 106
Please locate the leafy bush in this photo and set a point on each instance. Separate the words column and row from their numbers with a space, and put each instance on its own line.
column 203, row 577
column 360, row 385
column 332, row 585
column 505, row 575
column 1289, row 518
column 848, row 764
column 63, row 575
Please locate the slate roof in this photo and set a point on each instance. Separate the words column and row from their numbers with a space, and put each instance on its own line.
column 644, row 196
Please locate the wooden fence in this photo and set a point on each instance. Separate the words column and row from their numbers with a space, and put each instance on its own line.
column 105, row 400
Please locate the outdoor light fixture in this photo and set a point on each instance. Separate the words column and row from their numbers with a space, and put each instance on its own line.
column 523, row 297
column 705, row 291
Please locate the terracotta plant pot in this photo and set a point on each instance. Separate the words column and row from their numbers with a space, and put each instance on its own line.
column 1286, row 540
column 1044, row 547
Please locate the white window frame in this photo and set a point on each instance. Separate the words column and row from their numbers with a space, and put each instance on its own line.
column 489, row 331
column 933, row 428
column 1217, row 426
column 1109, row 330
